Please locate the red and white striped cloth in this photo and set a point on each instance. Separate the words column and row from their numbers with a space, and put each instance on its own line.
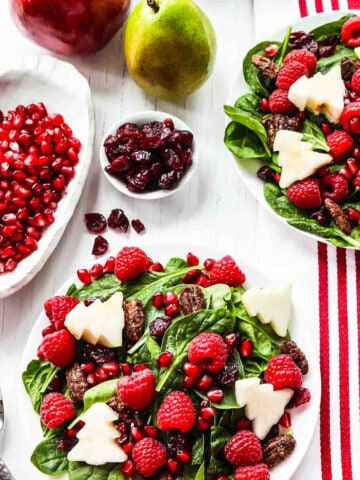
column 334, row 453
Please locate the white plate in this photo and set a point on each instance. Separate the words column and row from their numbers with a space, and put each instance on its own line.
column 247, row 168
column 304, row 418
column 63, row 90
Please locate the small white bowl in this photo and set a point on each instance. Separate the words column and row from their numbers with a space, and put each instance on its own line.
column 141, row 118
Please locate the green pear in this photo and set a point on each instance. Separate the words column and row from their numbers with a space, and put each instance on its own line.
column 170, row 47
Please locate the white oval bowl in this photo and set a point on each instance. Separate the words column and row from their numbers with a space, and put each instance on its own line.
column 141, row 118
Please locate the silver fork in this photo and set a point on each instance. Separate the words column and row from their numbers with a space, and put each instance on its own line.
column 4, row 471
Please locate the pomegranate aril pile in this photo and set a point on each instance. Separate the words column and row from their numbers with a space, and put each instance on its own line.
column 149, row 157
column 38, row 155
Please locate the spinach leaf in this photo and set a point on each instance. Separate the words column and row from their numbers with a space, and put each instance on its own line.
column 83, row 471
column 250, row 122
column 329, row 29
column 251, row 74
column 326, row 63
column 192, row 472
column 243, row 143
column 36, row 378
column 182, row 331
column 249, row 102
column 100, row 393
column 217, row 296
column 313, row 134
column 218, row 464
column 49, row 459
column 175, row 264
column 104, row 286
column 283, row 49
column 198, row 450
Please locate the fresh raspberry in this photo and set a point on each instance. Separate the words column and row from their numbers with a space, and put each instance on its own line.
column 350, row 118
column 280, row 103
column 302, row 56
column 335, row 187
column 208, row 351
column 255, row 472
column 340, row 144
column 350, row 32
column 56, row 309
column 226, row 271
column 177, row 411
column 149, row 455
column 305, row 194
column 244, row 448
column 130, row 262
column 56, row 409
column 290, row 73
column 355, row 82
column 282, row 371
column 58, row 348
column 137, row 391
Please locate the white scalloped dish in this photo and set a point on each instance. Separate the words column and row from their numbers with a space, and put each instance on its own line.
column 63, row 90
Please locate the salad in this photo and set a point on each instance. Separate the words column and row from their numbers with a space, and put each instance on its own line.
column 166, row 372
column 301, row 121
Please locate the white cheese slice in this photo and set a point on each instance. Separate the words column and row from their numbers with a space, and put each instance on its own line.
column 297, row 158
column 100, row 322
column 322, row 93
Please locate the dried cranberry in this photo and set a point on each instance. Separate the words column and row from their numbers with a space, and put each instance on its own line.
column 142, row 156
column 327, row 51
column 137, row 225
column 98, row 353
column 118, row 219
column 159, row 325
column 95, row 222
column 265, row 173
column 169, row 180
column 303, row 40
column 172, row 160
column 301, row 396
column 100, row 246
column 227, row 377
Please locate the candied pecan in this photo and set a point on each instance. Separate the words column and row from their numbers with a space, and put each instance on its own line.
column 266, row 66
column 290, row 348
column 76, row 383
column 191, row 299
column 348, row 68
column 277, row 449
column 134, row 319
column 116, row 404
column 338, row 215
column 274, row 123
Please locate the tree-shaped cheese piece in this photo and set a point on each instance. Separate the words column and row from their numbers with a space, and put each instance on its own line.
column 263, row 405
column 100, row 322
column 297, row 158
column 96, row 445
column 322, row 93
column 270, row 304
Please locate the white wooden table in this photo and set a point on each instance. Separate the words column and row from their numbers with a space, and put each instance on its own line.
column 214, row 209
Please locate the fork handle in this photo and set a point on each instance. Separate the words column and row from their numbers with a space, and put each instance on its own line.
column 5, row 472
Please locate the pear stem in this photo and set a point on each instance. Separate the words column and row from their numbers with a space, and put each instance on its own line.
column 152, row 4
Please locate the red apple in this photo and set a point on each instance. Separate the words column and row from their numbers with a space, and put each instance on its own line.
column 70, row 27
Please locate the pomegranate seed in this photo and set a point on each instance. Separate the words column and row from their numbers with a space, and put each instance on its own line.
column 139, row 367
column 109, row 266
column 127, row 447
column 207, row 412
column 66, row 129
column 216, row 395
column 276, row 177
column 345, row 173
column 326, row 128
column 73, row 156
column 192, row 370
column 25, row 251
column 9, row 218
column 173, row 465
column 192, row 260
column 165, row 359
column 189, row 382
column 170, row 298
column 92, row 379
column 7, row 253
column 137, row 434
column 264, row 105
column 231, row 339
column 33, row 233
column 271, row 50
column 2, row 267
column 151, row 431
column 352, row 166
column 128, row 468
column 356, row 181
column 353, row 214
column 246, row 347
column 111, row 368
column 184, row 456
column 96, row 271
column 301, row 396
column 126, row 368
column 75, row 143
column 157, row 300
column 204, row 424
column 209, row 263
column 84, row 276
column 204, row 281
column 192, row 276
column 156, row 267
column 55, row 384
column 87, row 367
column 285, row 420
column 243, row 424
column 356, row 153
column 101, row 375
column 205, row 382
column 172, row 310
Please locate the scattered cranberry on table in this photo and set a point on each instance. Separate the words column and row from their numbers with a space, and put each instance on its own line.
column 149, row 157
column 38, row 155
